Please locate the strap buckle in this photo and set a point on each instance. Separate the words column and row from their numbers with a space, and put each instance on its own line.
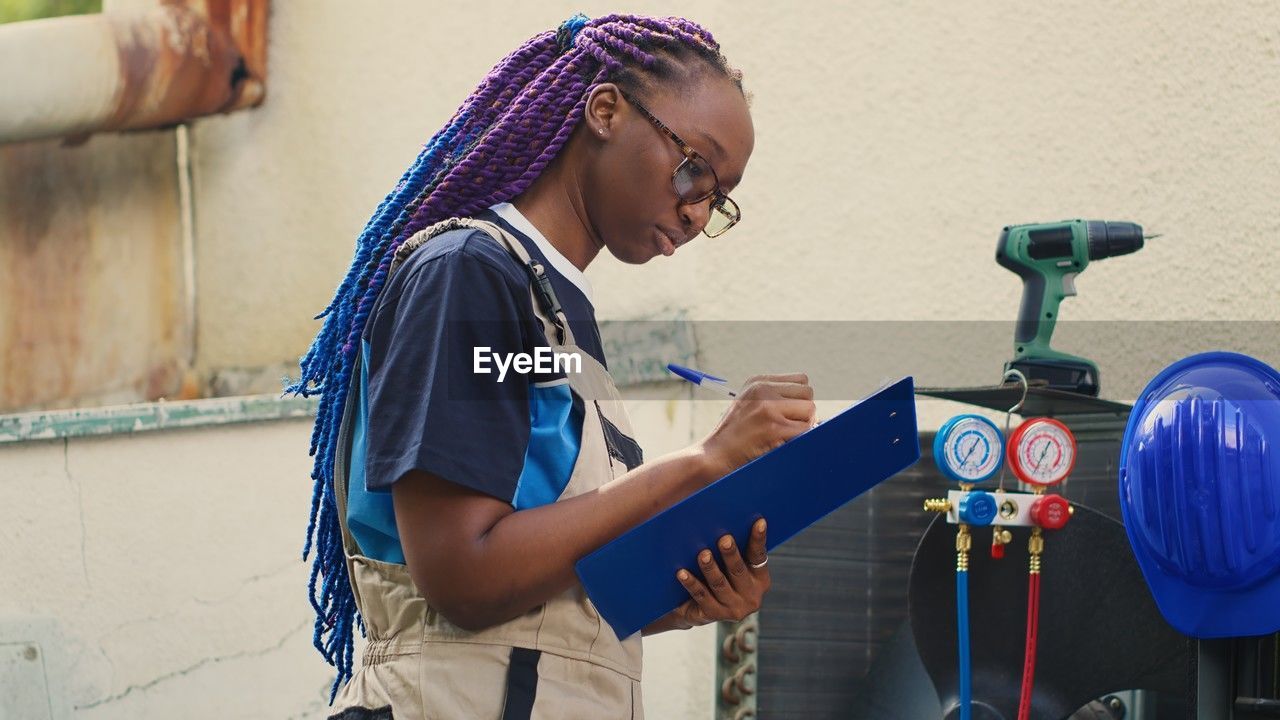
column 547, row 296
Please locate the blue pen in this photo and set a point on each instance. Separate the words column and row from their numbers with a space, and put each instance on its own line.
column 701, row 379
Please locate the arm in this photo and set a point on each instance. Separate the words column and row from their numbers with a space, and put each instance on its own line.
column 481, row 563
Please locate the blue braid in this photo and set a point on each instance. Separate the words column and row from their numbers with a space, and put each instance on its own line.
column 323, row 371
column 568, row 31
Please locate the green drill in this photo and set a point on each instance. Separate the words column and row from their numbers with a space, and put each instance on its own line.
column 1048, row 257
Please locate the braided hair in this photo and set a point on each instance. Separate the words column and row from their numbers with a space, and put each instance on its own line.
column 492, row 149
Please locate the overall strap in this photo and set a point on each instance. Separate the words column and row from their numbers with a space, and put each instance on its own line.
column 545, row 303
column 346, row 430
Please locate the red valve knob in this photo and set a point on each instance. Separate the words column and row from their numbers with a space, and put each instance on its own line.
column 1051, row 512
column 997, row 551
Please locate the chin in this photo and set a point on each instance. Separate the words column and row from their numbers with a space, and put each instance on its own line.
column 633, row 255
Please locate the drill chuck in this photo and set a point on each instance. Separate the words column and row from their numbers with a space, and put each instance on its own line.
column 1109, row 239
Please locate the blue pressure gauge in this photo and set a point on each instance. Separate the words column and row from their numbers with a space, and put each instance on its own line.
column 968, row 448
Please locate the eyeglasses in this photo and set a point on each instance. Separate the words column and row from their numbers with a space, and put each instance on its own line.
column 694, row 180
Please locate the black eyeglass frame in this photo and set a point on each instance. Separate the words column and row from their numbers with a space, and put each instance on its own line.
column 692, row 156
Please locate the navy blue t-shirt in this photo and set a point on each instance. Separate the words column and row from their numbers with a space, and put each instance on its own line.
column 423, row 406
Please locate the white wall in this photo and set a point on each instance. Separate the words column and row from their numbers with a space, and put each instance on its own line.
column 169, row 564
column 894, row 140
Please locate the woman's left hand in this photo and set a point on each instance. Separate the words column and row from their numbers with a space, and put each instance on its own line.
column 731, row 594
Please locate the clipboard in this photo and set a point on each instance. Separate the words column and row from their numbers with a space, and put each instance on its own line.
column 632, row 580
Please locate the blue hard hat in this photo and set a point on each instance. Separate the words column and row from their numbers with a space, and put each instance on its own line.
column 1200, row 494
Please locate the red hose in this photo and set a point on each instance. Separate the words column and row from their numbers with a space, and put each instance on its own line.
column 1029, row 663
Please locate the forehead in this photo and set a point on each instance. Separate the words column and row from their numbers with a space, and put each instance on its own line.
column 712, row 116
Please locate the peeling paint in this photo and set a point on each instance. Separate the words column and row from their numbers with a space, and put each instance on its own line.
column 639, row 350
column 173, row 66
column 146, row 417
column 90, row 273
column 133, row 70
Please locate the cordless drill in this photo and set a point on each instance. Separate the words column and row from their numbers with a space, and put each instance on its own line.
column 1048, row 257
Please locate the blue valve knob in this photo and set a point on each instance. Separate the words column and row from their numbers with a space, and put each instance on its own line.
column 977, row 507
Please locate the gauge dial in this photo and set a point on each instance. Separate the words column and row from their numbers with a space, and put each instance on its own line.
column 1042, row 451
column 969, row 448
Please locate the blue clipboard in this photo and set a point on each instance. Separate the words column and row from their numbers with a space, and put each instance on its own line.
column 632, row 580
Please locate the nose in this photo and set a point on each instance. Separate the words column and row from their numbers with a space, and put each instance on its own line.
column 696, row 215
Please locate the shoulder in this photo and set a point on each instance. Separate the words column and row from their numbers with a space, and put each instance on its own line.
column 468, row 248
column 454, row 259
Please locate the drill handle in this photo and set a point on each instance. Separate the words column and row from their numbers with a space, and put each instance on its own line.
column 1031, row 313
column 1032, row 310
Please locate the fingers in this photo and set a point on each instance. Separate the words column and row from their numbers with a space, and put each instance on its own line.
column 798, row 410
column 795, row 391
column 787, row 401
column 733, row 564
column 705, row 605
column 792, row 401
column 717, row 583
column 793, row 378
column 769, row 411
column 756, row 552
column 730, row 596
column 775, row 389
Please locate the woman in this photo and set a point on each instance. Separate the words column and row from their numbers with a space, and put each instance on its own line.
column 454, row 493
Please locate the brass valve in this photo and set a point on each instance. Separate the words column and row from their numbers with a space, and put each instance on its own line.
column 964, row 541
column 938, row 505
column 1035, row 545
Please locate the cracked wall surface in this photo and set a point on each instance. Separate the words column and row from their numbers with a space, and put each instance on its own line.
column 170, row 563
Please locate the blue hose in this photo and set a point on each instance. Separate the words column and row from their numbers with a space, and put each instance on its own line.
column 962, row 625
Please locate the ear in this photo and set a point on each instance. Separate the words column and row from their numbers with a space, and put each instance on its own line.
column 601, row 112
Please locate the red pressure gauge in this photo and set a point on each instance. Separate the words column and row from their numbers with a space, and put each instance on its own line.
column 1042, row 451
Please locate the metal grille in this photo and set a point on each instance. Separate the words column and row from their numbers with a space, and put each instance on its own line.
column 840, row 588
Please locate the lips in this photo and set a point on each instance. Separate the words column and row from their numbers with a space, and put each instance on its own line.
column 667, row 244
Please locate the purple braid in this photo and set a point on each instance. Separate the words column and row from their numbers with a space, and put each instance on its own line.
column 498, row 142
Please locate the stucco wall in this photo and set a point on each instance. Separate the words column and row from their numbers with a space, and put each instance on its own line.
column 166, row 568
column 168, row 563
column 893, row 142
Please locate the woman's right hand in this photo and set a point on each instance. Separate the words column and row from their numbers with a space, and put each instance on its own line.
column 770, row 410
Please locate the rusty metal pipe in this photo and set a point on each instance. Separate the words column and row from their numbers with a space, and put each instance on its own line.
column 73, row 76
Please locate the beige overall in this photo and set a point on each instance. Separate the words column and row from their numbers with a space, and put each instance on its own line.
column 559, row 661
